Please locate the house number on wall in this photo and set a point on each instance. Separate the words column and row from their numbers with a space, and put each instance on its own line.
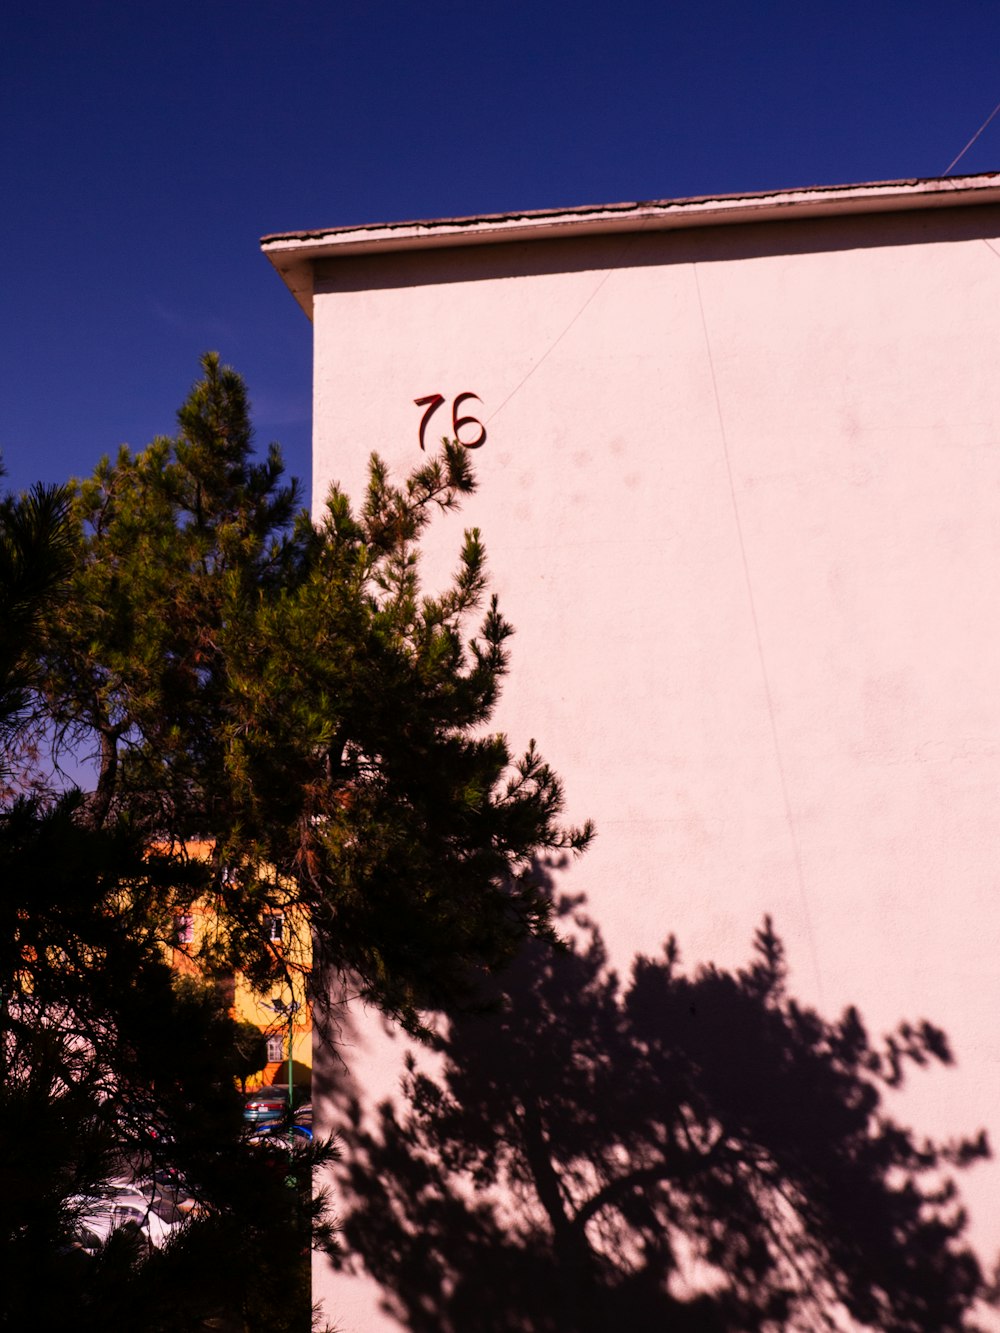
column 434, row 400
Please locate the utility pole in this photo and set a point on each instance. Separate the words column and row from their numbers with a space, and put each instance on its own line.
column 289, row 1008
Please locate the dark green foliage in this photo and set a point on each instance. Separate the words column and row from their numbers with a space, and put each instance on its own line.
column 692, row 1152
column 287, row 691
column 113, row 1068
column 110, row 1066
column 36, row 552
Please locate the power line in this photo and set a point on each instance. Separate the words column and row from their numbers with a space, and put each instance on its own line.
column 951, row 165
column 755, row 621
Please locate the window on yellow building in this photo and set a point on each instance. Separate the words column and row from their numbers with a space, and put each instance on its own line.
column 275, row 926
column 184, row 928
column 275, row 1049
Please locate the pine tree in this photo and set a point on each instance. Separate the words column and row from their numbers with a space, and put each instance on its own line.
column 285, row 692
column 289, row 691
column 107, row 1065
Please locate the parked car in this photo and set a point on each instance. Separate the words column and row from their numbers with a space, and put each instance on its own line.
column 266, row 1106
column 124, row 1206
column 282, row 1134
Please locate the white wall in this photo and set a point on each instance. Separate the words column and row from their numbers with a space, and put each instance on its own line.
column 741, row 495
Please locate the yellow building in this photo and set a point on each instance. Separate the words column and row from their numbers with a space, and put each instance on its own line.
column 284, row 1015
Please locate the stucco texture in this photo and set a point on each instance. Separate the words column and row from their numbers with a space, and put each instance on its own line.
column 741, row 496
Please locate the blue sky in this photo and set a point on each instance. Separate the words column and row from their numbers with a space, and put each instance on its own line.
column 146, row 147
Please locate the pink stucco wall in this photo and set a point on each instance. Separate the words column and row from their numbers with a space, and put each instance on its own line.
column 741, row 494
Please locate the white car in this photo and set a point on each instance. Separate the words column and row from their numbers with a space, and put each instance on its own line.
column 123, row 1205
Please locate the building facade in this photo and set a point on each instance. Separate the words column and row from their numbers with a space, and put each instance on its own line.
column 739, row 481
column 286, row 1034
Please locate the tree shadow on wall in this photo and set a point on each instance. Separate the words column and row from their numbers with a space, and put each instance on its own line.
column 685, row 1152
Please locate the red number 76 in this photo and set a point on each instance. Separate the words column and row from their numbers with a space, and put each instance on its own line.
column 434, row 400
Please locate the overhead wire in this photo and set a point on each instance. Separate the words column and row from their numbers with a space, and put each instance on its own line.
column 612, row 267
column 985, row 239
column 955, row 161
column 616, row 262
column 758, row 639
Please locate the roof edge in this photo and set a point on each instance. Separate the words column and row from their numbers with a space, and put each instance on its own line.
column 293, row 253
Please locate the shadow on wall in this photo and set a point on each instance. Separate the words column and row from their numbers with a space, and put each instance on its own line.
column 692, row 1152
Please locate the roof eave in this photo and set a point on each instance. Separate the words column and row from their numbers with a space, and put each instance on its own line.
column 293, row 254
